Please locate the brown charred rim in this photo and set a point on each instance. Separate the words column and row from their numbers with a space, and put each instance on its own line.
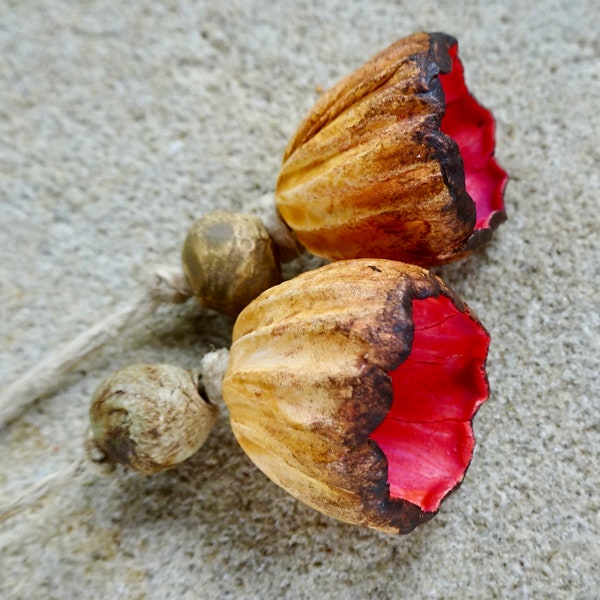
column 395, row 513
column 443, row 148
column 370, row 465
column 447, row 152
column 396, row 323
column 379, row 508
column 481, row 237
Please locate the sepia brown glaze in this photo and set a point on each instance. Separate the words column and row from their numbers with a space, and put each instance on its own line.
column 307, row 383
column 369, row 172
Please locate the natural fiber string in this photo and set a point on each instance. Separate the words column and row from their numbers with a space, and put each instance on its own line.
column 49, row 484
column 169, row 285
column 212, row 369
column 280, row 233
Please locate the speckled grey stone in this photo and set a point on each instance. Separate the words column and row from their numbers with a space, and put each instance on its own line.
column 120, row 123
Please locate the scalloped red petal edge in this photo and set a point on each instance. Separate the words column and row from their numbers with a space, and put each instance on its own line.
column 472, row 126
column 427, row 435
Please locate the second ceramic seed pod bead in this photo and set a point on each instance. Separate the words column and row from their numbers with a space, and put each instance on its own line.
column 395, row 161
column 353, row 387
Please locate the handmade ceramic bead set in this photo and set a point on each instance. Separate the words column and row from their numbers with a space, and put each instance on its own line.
column 352, row 386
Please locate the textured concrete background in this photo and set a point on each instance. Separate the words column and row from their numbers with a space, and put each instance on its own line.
column 120, row 123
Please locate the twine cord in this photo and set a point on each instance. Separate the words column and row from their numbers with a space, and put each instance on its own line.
column 41, row 489
column 211, row 372
column 280, row 233
column 168, row 285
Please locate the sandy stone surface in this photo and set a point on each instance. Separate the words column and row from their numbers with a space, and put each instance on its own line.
column 122, row 122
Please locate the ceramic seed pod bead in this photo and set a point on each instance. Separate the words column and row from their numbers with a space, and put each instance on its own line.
column 353, row 387
column 395, row 161
column 229, row 259
column 148, row 418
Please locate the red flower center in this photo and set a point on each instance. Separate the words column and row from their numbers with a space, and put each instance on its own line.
column 471, row 126
column 427, row 436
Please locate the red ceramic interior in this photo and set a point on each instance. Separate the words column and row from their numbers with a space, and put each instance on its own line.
column 471, row 126
column 427, row 436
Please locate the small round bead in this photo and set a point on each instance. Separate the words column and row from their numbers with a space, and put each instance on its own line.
column 229, row 259
column 149, row 418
